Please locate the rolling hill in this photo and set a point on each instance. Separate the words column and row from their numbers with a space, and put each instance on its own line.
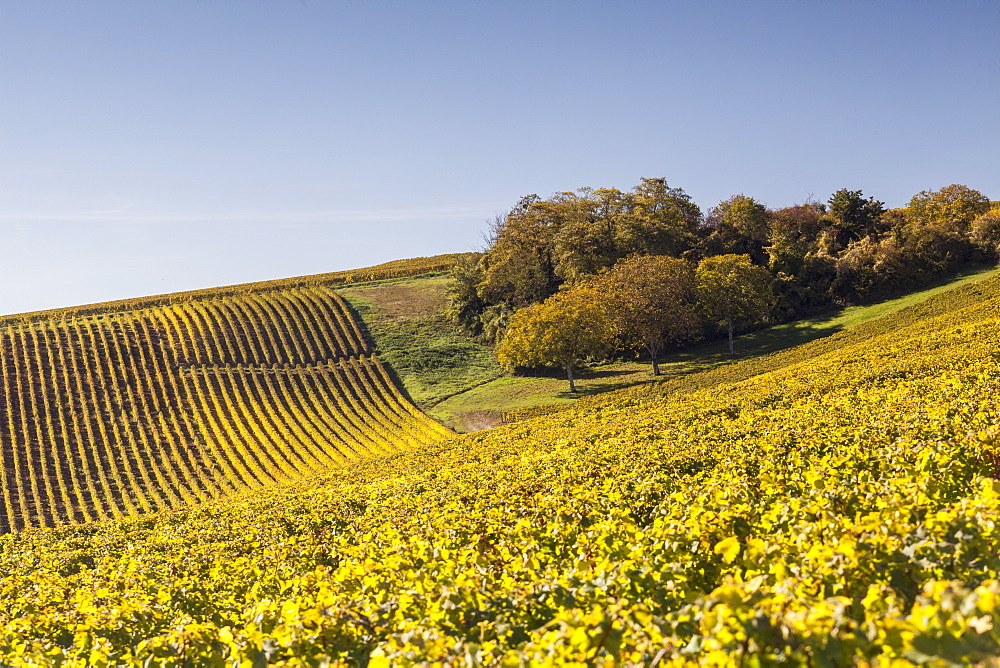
column 458, row 382
column 133, row 407
column 831, row 504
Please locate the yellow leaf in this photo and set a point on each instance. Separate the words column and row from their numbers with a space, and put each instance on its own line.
column 728, row 548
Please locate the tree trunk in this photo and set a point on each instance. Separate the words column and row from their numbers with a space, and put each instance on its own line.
column 569, row 374
column 729, row 321
column 653, row 354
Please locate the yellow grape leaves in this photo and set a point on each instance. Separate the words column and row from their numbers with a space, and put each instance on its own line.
column 729, row 548
column 830, row 509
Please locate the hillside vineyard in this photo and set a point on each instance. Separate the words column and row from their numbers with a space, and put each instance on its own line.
column 118, row 412
column 833, row 504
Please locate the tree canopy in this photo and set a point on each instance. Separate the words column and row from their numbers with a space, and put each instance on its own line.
column 854, row 215
column 953, row 207
column 518, row 268
column 543, row 244
column 732, row 289
column 653, row 300
column 985, row 232
column 562, row 331
column 737, row 225
column 848, row 250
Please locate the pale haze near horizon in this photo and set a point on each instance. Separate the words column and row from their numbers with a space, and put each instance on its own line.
column 151, row 147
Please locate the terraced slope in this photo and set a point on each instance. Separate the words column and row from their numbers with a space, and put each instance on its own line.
column 134, row 407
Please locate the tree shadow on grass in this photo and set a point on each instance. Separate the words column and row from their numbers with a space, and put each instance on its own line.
column 604, row 373
column 746, row 346
column 586, row 385
column 682, row 362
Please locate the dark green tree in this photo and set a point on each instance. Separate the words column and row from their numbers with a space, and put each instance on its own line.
column 854, row 215
column 465, row 306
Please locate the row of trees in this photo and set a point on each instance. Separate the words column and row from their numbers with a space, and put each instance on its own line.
column 849, row 250
column 643, row 302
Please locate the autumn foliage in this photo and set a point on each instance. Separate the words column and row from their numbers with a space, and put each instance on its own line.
column 834, row 504
column 731, row 289
column 137, row 407
column 819, row 256
column 652, row 300
column 562, row 331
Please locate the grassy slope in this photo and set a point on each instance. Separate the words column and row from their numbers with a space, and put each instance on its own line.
column 430, row 357
column 827, row 510
column 544, row 394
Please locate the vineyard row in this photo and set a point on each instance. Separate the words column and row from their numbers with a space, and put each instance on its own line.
column 156, row 408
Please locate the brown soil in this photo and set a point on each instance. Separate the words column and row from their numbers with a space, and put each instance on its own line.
column 405, row 301
column 479, row 420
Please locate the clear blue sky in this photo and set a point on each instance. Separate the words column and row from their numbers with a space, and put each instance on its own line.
column 149, row 147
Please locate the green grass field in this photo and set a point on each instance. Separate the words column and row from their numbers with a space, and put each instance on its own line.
column 430, row 358
column 486, row 405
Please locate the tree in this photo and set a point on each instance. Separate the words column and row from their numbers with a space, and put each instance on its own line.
column 952, row 208
column 465, row 306
column 985, row 232
column 543, row 245
column 585, row 241
column 662, row 220
column 562, row 331
column 738, row 225
column 518, row 267
column 732, row 289
column 792, row 235
column 855, row 215
column 654, row 302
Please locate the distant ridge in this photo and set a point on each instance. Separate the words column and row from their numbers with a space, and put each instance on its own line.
column 385, row 271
